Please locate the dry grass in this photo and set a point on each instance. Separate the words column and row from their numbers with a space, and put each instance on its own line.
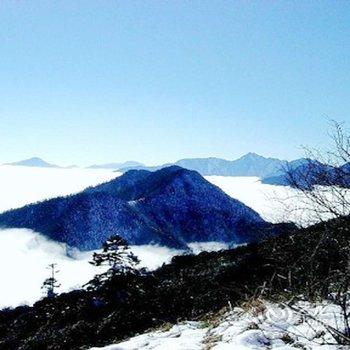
column 255, row 306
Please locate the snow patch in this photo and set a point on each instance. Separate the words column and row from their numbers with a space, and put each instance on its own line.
column 188, row 335
column 273, row 327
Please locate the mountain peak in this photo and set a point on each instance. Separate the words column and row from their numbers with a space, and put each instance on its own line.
column 136, row 184
column 250, row 164
column 172, row 206
column 252, row 156
column 34, row 162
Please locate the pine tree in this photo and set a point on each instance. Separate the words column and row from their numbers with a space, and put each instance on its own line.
column 51, row 282
column 116, row 255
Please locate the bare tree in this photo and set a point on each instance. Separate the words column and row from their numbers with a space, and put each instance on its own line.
column 322, row 182
column 51, row 283
column 324, row 177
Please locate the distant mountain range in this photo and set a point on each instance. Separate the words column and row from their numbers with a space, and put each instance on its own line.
column 116, row 166
column 172, row 207
column 306, row 173
column 269, row 170
column 34, row 162
column 250, row 164
column 40, row 163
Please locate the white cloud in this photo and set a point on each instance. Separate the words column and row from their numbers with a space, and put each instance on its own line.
column 25, row 255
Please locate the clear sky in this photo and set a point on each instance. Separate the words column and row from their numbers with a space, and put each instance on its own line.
column 98, row 81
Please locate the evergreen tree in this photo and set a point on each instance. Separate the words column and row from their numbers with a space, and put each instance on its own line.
column 117, row 256
column 51, row 282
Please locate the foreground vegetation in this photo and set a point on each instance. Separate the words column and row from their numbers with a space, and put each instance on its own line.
column 311, row 262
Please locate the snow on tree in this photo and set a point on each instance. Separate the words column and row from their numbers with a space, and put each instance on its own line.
column 117, row 256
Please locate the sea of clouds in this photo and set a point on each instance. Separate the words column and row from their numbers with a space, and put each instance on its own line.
column 24, row 254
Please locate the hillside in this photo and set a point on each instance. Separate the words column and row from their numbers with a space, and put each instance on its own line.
column 196, row 285
column 171, row 207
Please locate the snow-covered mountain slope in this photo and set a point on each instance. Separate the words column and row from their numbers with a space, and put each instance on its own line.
column 170, row 207
column 24, row 185
column 268, row 326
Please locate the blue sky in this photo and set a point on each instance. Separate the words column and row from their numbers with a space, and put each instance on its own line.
column 97, row 81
